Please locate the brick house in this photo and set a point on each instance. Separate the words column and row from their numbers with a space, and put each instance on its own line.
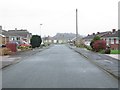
column 87, row 40
column 113, row 39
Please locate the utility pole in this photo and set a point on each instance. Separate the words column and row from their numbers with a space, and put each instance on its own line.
column 76, row 26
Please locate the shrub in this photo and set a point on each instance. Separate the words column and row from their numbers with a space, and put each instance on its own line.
column 107, row 51
column 96, row 38
column 88, row 47
column 5, row 51
column 92, row 42
column 35, row 41
column 102, row 51
column 24, row 47
column 99, row 45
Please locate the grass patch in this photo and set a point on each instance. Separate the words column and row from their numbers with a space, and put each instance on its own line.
column 115, row 52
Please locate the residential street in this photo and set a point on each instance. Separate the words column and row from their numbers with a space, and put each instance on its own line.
column 56, row 67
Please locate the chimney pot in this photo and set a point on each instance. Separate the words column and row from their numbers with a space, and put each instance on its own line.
column 113, row 30
column 93, row 33
column 98, row 32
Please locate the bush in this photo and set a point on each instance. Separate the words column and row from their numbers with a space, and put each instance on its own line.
column 107, row 50
column 24, row 47
column 96, row 38
column 99, row 45
column 88, row 47
column 35, row 41
column 102, row 51
column 5, row 51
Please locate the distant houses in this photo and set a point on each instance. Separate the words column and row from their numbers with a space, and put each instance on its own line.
column 59, row 38
column 18, row 36
column 111, row 37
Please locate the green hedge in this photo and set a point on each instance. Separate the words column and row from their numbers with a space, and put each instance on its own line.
column 115, row 51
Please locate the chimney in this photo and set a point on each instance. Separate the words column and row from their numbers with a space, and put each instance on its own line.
column 93, row 33
column 113, row 30
column 0, row 27
column 98, row 32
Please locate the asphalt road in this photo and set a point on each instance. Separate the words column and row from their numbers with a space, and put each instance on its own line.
column 56, row 67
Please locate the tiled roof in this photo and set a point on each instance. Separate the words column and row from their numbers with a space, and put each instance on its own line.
column 8, row 33
column 5, row 33
column 101, row 34
column 23, row 33
column 115, row 34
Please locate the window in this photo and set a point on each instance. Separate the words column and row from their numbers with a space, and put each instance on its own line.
column 13, row 38
column 109, row 40
column 18, row 38
column 114, row 40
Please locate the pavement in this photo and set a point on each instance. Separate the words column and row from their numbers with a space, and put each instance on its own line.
column 109, row 63
column 56, row 67
column 18, row 56
column 116, row 56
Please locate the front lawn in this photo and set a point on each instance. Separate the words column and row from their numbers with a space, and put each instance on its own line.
column 115, row 52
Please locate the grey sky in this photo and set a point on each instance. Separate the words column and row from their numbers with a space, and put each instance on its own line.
column 59, row 15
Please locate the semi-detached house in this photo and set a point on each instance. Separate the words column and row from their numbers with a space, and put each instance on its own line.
column 112, row 38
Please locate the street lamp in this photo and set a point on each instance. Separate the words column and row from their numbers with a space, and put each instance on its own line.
column 40, row 29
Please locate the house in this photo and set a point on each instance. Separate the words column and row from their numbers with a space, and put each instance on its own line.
column 63, row 38
column 19, row 35
column 3, row 37
column 48, row 40
column 113, row 39
column 87, row 40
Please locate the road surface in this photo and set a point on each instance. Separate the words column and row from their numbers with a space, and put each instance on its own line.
column 56, row 67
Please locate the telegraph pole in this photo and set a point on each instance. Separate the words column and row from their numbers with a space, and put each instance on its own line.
column 76, row 26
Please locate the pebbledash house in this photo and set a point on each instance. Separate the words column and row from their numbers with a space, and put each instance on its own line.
column 18, row 36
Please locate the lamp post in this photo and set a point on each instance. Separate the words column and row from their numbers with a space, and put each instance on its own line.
column 40, row 29
column 41, row 33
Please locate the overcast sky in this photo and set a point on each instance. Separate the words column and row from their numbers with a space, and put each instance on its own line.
column 59, row 16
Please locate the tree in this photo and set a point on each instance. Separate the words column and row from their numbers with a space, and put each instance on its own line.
column 35, row 41
column 96, row 38
column 97, row 44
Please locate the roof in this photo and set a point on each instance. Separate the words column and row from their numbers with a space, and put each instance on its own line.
column 2, row 35
column 101, row 34
column 4, row 32
column 115, row 34
column 75, row 38
column 65, row 36
column 22, row 32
